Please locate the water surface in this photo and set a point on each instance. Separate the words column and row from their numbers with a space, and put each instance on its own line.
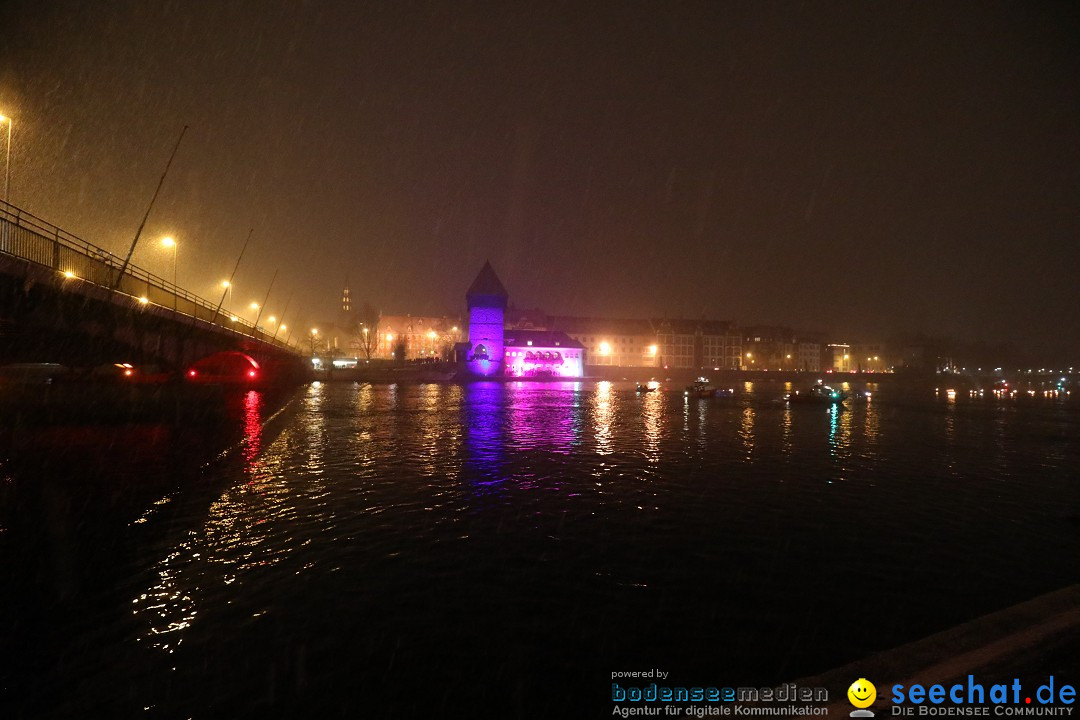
column 500, row 549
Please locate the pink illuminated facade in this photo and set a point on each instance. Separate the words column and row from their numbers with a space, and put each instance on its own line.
column 542, row 354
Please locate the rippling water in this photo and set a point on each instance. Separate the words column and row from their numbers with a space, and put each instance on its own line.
column 398, row 551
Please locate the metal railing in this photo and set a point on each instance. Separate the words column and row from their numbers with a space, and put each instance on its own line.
column 28, row 237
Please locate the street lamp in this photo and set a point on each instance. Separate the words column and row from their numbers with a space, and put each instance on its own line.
column 170, row 243
column 7, row 169
column 228, row 286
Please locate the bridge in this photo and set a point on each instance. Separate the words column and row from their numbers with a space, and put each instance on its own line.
column 64, row 300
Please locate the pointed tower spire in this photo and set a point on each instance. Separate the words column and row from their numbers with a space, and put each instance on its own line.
column 486, row 290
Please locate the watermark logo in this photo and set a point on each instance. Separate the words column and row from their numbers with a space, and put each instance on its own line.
column 862, row 695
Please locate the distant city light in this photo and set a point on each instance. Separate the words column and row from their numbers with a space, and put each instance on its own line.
column 652, row 349
column 604, row 348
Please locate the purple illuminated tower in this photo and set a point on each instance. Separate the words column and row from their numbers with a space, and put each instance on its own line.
column 486, row 299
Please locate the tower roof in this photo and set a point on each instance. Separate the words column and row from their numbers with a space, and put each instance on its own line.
column 487, row 283
column 487, row 290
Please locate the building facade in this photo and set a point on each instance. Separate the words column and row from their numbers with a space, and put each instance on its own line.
column 417, row 336
column 697, row 344
column 611, row 342
column 540, row 354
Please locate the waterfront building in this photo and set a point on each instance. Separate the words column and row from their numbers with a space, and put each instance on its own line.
column 675, row 340
column 769, row 347
column 721, row 345
column 838, row 357
column 611, row 342
column 486, row 299
column 542, row 354
column 493, row 349
column 697, row 344
column 417, row 336
column 808, row 355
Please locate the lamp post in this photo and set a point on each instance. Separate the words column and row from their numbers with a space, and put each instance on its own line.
column 228, row 287
column 7, row 163
column 171, row 243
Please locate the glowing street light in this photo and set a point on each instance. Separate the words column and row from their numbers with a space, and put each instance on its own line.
column 604, row 348
column 7, row 169
column 653, row 349
column 228, row 286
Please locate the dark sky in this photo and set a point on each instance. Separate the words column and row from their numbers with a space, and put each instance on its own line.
column 860, row 167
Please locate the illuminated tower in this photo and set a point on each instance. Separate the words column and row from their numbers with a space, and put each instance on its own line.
column 486, row 299
column 345, row 308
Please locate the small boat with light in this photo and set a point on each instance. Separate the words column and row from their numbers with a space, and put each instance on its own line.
column 702, row 388
column 651, row 386
column 819, row 394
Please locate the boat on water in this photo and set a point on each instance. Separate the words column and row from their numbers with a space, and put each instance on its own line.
column 702, row 388
column 819, row 394
column 651, row 386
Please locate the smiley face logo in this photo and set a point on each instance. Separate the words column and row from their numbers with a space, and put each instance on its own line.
column 862, row 693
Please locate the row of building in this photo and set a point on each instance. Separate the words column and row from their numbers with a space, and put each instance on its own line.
column 646, row 343
column 670, row 343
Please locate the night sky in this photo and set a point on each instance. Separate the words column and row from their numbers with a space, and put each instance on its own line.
column 864, row 168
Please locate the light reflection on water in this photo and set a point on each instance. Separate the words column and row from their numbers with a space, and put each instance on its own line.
column 604, row 409
column 565, row 513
